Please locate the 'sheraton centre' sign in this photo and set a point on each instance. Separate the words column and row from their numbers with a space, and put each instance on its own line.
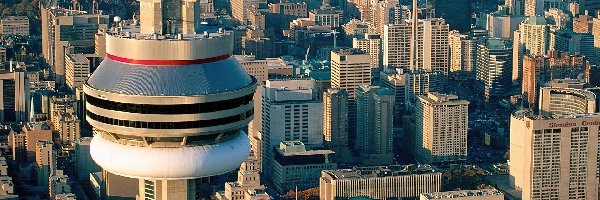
column 572, row 124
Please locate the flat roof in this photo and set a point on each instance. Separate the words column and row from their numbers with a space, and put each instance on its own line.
column 379, row 171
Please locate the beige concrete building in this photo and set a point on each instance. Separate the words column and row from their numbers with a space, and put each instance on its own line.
column 370, row 44
column 596, row 33
column 483, row 194
column 349, row 69
column 432, row 45
column 554, row 157
column 442, row 123
column 326, row 17
column 241, row 8
column 45, row 162
column 355, row 28
column 379, row 182
column 207, row 8
column 463, row 59
column 248, row 179
column 62, row 28
column 17, row 142
column 257, row 68
column 14, row 25
column 534, row 35
column 565, row 97
column 77, row 70
column 374, row 124
column 288, row 8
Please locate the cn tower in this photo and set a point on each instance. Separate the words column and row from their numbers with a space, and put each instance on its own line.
column 168, row 102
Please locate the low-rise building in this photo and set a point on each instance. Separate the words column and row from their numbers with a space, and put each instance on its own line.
column 380, row 182
column 294, row 166
column 14, row 25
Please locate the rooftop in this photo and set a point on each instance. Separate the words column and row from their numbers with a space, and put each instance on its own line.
column 536, row 20
column 380, row 171
column 462, row 193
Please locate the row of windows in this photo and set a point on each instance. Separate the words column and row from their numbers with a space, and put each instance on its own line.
column 170, row 109
column 172, row 125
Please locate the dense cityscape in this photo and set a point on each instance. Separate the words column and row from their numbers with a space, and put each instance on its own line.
column 300, row 99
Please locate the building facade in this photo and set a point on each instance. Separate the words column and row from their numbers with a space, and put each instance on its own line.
column 554, row 156
column 379, row 182
column 14, row 25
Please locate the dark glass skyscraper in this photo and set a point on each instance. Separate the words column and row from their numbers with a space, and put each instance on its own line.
column 457, row 13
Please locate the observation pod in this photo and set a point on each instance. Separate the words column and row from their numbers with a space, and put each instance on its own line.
column 169, row 107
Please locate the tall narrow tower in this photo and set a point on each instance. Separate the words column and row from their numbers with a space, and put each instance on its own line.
column 167, row 105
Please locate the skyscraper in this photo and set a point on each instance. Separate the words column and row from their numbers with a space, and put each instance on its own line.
column 463, row 60
column 62, row 28
column 349, row 69
column 335, row 121
column 160, row 109
column 370, row 44
column 15, row 96
column 431, row 49
column 374, row 128
column 290, row 111
column 241, row 8
column 516, row 7
column 441, row 129
column 554, row 157
column 534, row 35
column 494, row 68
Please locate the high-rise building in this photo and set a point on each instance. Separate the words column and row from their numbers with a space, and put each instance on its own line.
column 432, row 45
column 77, row 70
column 396, row 82
column 537, row 7
column 290, row 111
column 241, row 8
column 375, row 124
column 178, row 122
column 441, row 129
column 583, row 24
column 45, row 162
column 15, row 96
column 534, row 35
column 501, row 25
column 335, row 121
column 370, row 44
column 382, row 13
column 554, row 157
column 396, row 46
column 566, row 97
column 463, row 50
column 516, row 7
column 19, row 148
column 590, row 6
column 596, row 33
column 538, row 70
column 14, row 25
column 379, row 182
column 572, row 43
column 420, row 83
column 558, row 18
column 494, row 67
column 296, row 167
column 207, row 8
column 63, row 28
column 349, row 69
column 35, row 132
column 457, row 13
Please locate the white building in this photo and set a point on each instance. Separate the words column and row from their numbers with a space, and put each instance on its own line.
column 290, row 111
column 483, row 194
column 294, row 165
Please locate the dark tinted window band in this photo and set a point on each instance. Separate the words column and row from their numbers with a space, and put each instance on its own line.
column 171, row 125
column 170, row 109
